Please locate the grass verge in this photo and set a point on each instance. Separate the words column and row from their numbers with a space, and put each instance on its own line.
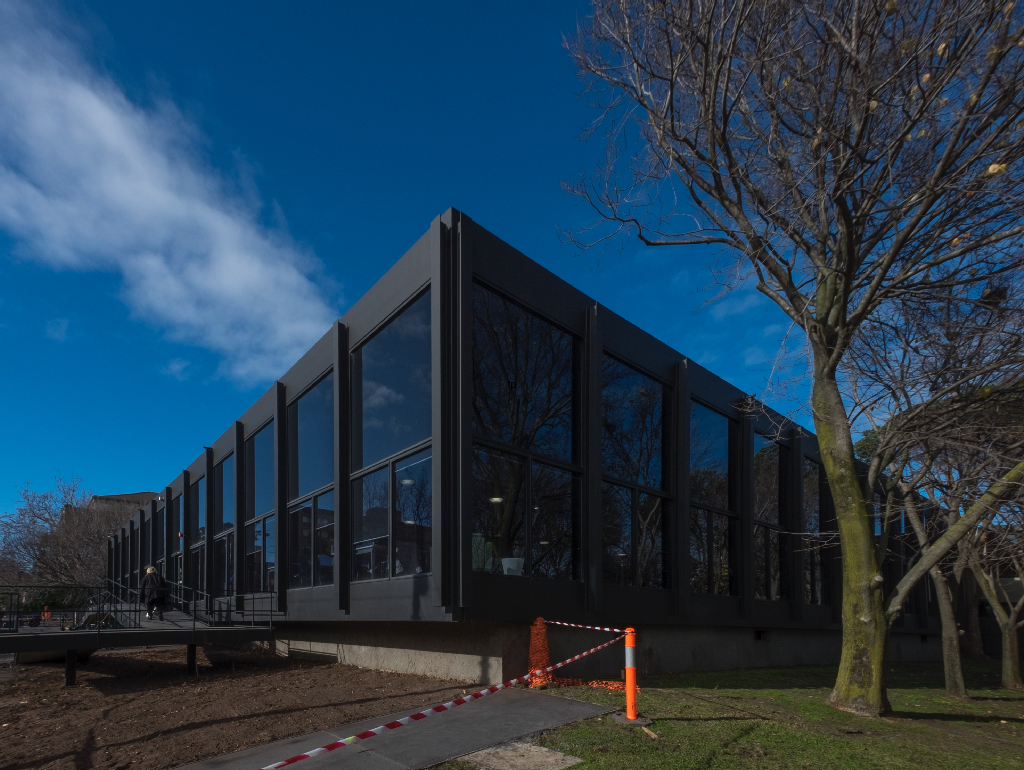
column 778, row 718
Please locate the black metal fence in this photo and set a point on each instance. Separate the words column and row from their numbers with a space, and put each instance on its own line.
column 56, row 608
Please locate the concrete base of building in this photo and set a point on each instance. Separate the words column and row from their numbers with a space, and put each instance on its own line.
column 491, row 652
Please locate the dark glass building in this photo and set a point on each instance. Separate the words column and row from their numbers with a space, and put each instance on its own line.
column 475, row 444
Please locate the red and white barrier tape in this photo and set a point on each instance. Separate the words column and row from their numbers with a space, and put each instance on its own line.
column 594, row 628
column 431, row 711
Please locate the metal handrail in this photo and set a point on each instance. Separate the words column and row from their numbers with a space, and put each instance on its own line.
column 222, row 611
column 115, row 605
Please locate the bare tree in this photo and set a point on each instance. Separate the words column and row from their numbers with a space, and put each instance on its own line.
column 60, row 536
column 996, row 560
column 848, row 153
column 941, row 381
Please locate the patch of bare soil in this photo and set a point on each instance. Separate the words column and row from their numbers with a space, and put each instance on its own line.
column 142, row 711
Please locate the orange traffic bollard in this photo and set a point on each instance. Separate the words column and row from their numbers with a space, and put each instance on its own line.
column 630, row 674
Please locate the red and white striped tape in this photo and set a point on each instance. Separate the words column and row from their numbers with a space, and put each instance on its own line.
column 431, row 711
column 594, row 628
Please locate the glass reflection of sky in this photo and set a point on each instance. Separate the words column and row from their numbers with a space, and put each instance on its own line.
column 396, row 384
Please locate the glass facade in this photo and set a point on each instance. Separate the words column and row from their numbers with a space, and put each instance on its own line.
column 177, row 524
column 197, row 517
column 526, row 478
column 371, row 507
column 523, row 371
column 635, row 541
column 161, row 533
column 713, row 521
column 770, row 565
column 260, row 553
column 224, row 496
column 311, row 542
column 412, row 523
column 311, row 440
column 259, row 473
column 391, row 377
column 816, row 581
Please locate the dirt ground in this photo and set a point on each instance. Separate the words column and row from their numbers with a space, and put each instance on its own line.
column 141, row 710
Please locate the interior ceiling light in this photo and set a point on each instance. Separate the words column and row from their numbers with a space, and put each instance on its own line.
column 497, row 499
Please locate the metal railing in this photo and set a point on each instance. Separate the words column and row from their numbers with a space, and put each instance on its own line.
column 42, row 608
column 251, row 610
column 116, row 606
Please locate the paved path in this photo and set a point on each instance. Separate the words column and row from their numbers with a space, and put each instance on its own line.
column 495, row 719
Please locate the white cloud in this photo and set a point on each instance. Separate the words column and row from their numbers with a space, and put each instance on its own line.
column 377, row 396
column 736, row 303
column 57, row 329
column 91, row 181
column 176, row 368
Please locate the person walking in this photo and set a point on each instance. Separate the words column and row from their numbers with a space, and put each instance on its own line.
column 154, row 593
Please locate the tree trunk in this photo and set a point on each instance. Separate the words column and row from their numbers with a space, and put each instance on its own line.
column 1011, row 656
column 950, row 637
column 972, row 644
column 860, row 684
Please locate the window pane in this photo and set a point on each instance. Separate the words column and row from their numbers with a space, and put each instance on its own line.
column 144, row 541
column 323, row 542
column 499, row 526
column 300, row 546
column 769, row 572
column 259, row 473
column 724, row 578
column 177, row 522
column 760, row 564
column 651, row 548
column 699, row 562
column 709, row 457
column 370, row 526
column 311, row 440
column 631, row 412
column 413, row 514
column 224, row 495
column 554, row 551
column 766, row 480
column 218, row 584
column 161, row 533
column 197, row 519
column 393, row 374
column 812, row 490
column 617, row 534
column 197, row 567
column 522, row 377
column 269, row 572
column 254, row 557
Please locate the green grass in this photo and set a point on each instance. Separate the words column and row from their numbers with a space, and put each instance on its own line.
column 778, row 718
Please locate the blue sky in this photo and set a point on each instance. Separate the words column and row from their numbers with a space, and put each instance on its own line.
column 191, row 192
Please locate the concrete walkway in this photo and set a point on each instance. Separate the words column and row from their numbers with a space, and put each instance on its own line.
column 495, row 719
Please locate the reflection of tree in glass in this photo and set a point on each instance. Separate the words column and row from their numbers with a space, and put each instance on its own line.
column 650, row 553
column 616, row 531
column 709, row 457
column 373, row 511
column 723, row 579
column 814, row 586
column 413, row 496
column 522, row 377
column 631, row 413
column 553, row 532
column 766, row 480
column 698, row 550
column 497, row 505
